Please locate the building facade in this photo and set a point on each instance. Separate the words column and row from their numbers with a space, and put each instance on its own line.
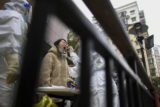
column 130, row 16
column 153, row 63
column 156, row 50
column 55, row 30
column 129, row 13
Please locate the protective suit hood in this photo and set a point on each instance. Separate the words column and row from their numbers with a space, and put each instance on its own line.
column 97, row 62
column 17, row 5
column 20, row 6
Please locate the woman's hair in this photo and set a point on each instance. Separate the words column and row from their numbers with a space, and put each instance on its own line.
column 56, row 43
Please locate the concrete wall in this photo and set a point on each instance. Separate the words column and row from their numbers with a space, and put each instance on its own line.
column 55, row 30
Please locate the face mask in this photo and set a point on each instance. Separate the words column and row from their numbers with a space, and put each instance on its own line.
column 25, row 18
column 60, row 51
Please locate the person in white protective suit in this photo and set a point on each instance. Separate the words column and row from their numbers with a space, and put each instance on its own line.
column 98, row 84
column 13, row 28
column 74, row 70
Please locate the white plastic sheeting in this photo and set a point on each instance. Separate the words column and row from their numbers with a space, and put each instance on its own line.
column 20, row 6
column 98, row 84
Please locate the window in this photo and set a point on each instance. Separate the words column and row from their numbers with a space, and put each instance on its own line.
column 138, row 51
column 124, row 20
column 156, row 52
column 133, row 19
column 141, row 17
column 123, row 14
column 153, row 73
column 149, row 53
column 137, row 43
column 141, row 14
column 150, row 61
column 132, row 12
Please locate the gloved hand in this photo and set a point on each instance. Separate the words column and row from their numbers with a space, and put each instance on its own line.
column 70, row 83
column 13, row 67
column 11, row 77
column 70, row 49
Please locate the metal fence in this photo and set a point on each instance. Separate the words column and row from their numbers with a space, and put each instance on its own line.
column 134, row 84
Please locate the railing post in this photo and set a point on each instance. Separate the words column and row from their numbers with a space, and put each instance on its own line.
column 122, row 88
column 85, row 74
column 130, row 91
column 31, row 59
column 138, row 90
column 109, row 88
column 135, row 87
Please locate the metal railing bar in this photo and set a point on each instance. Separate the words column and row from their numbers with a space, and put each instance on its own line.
column 109, row 87
column 147, row 100
column 85, row 74
column 31, row 60
column 122, row 89
column 82, row 26
column 107, row 17
column 131, row 93
column 138, row 91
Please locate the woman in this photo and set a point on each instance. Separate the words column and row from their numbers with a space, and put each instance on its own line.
column 54, row 67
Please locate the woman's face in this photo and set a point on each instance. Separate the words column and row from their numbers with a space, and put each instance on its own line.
column 63, row 45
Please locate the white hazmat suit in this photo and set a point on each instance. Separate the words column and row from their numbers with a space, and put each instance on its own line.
column 13, row 30
column 98, row 83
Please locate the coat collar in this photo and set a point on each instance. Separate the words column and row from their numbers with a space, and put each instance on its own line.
column 55, row 51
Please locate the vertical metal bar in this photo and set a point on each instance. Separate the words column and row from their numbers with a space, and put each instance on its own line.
column 134, row 87
column 122, row 89
column 31, row 60
column 147, row 100
column 109, row 88
column 85, row 74
column 131, row 86
column 138, row 91
column 130, row 90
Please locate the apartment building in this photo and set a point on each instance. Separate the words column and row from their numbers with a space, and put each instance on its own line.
column 130, row 16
